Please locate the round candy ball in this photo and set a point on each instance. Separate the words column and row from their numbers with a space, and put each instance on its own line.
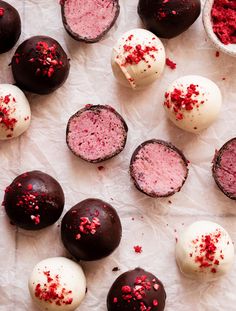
column 91, row 230
column 34, row 200
column 15, row 113
column 204, row 250
column 193, row 103
column 40, row 65
column 57, row 284
column 138, row 58
column 10, row 26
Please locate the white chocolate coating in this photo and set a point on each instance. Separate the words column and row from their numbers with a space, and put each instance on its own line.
column 139, row 71
column 204, row 250
column 57, row 284
column 15, row 113
column 205, row 108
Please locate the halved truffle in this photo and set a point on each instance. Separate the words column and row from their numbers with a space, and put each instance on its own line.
column 40, row 65
column 91, row 230
column 34, row 200
column 224, row 168
column 158, row 168
column 136, row 290
column 10, row 26
column 168, row 18
column 89, row 20
column 96, row 133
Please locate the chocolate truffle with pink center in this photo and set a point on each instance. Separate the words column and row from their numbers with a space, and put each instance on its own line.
column 91, row 230
column 224, row 168
column 96, row 133
column 89, row 20
column 34, row 200
column 136, row 290
column 10, row 26
column 158, row 168
column 40, row 65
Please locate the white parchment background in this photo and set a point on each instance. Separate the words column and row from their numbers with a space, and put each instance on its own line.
column 43, row 147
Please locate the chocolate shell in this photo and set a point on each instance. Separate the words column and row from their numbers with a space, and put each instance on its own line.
column 168, row 19
column 89, row 20
column 10, row 26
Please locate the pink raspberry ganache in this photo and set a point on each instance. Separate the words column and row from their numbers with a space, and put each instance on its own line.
column 96, row 133
column 224, row 20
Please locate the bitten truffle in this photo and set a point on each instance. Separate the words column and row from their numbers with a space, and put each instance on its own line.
column 57, row 284
column 89, row 20
column 96, row 133
column 40, row 65
column 91, row 230
column 138, row 58
column 34, row 200
column 224, row 168
column 15, row 113
column 10, row 26
column 136, row 290
column 204, row 250
column 158, row 169
column 168, row 18
column 193, row 103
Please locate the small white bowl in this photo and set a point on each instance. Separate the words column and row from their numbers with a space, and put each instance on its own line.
column 229, row 49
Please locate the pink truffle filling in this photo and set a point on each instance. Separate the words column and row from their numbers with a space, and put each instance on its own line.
column 158, row 169
column 95, row 135
column 89, row 18
column 226, row 169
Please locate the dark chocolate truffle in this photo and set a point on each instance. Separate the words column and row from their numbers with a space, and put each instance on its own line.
column 224, row 168
column 91, row 230
column 136, row 290
column 158, row 168
column 96, row 133
column 34, row 200
column 10, row 26
column 40, row 65
column 89, row 20
column 168, row 19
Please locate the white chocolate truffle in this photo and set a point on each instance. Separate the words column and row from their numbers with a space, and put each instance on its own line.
column 193, row 103
column 138, row 58
column 57, row 284
column 204, row 250
column 15, row 114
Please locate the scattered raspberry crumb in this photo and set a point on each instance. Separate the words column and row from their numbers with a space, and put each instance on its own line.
column 138, row 249
column 223, row 78
column 100, row 168
column 217, row 54
column 170, row 64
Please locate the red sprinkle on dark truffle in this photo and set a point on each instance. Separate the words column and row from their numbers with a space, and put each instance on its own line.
column 88, row 227
column 2, row 12
column 170, row 64
column 138, row 249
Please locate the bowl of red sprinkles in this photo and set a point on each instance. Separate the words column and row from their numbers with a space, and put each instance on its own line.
column 219, row 20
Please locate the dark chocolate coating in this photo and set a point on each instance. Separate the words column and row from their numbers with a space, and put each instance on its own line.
column 217, row 164
column 31, row 73
column 77, row 36
column 168, row 19
column 10, row 27
column 152, row 292
column 97, row 108
column 90, row 246
column 167, row 145
column 34, row 194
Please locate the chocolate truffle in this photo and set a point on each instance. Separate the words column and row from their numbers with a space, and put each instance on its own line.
column 193, row 103
column 138, row 59
column 136, row 290
column 204, row 250
column 15, row 113
column 158, row 168
column 10, row 26
column 40, row 65
column 168, row 18
column 224, row 168
column 57, row 284
column 89, row 20
column 34, row 200
column 91, row 230
column 96, row 133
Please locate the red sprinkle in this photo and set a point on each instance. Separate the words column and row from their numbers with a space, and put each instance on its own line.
column 87, row 227
column 138, row 249
column 170, row 64
column 2, row 12
column 217, row 53
column 5, row 113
